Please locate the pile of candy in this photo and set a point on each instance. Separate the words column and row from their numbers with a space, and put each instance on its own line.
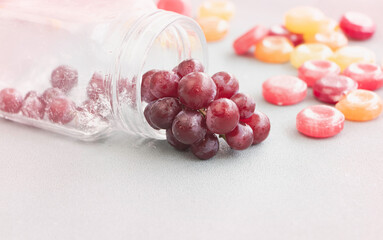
column 213, row 16
column 345, row 77
column 194, row 107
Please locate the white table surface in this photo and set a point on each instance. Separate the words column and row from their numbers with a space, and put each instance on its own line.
column 289, row 187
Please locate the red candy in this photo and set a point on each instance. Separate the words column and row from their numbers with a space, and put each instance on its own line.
column 284, row 90
column 279, row 30
column 320, row 121
column 64, row 77
column 179, row 6
column 313, row 70
column 331, row 88
column 368, row 76
column 61, row 110
column 260, row 124
column 243, row 44
column 357, row 25
column 33, row 106
column 11, row 100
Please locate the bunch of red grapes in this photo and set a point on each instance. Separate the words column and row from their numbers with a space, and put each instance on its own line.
column 194, row 108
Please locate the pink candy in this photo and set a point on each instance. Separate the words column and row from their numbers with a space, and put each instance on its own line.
column 313, row 70
column 331, row 88
column 284, row 90
column 368, row 76
column 357, row 25
column 280, row 30
column 320, row 121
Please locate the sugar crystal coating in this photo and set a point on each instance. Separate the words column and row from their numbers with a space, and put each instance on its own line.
column 357, row 25
column 33, row 106
column 368, row 76
column 313, row 70
column 332, row 88
column 64, row 77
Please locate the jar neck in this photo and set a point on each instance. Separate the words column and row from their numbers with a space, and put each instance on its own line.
column 156, row 40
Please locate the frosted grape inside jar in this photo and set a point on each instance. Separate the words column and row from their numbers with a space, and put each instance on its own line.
column 76, row 68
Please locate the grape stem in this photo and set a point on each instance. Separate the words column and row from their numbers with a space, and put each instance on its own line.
column 223, row 136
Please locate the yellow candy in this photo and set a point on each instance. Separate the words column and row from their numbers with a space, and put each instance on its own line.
column 304, row 20
column 274, row 49
column 325, row 26
column 214, row 28
column 310, row 51
column 352, row 54
column 215, row 8
column 360, row 105
column 333, row 39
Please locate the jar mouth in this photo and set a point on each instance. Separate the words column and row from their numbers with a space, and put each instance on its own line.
column 157, row 40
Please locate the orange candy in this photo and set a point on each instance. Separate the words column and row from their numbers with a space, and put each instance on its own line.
column 274, row 49
column 360, row 105
column 214, row 28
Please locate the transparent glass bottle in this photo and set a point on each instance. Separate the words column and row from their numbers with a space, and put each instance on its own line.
column 116, row 41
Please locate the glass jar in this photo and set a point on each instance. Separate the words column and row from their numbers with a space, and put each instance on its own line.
column 103, row 47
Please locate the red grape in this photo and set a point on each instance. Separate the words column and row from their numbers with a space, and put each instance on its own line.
column 227, row 84
column 147, row 113
column 163, row 111
column 222, row 116
column 196, row 90
column 189, row 127
column 64, row 77
column 33, row 107
column 260, row 124
column 174, row 142
column 241, row 137
column 245, row 104
column 146, row 94
column 61, row 110
column 189, row 66
column 11, row 100
column 164, row 84
column 206, row 148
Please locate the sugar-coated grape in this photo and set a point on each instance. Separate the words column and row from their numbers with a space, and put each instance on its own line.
column 222, row 116
column 11, row 100
column 96, row 86
column 227, row 84
column 163, row 111
column 147, row 113
column 189, row 66
column 50, row 94
column 241, row 137
column 61, row 110
column 174, row 142
column 245, row 104
column 189, row 127
column 32, row 106
column 196, row 90
column 164, row 84
column 146, row 94
column 260, row 124
column 64, row 77
column 206, row 148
